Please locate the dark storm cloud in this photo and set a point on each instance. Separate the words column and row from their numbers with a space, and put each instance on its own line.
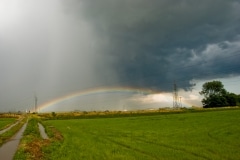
column 53, row 48
column 152, row 43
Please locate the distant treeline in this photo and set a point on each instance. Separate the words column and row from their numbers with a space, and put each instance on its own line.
column 118, row 114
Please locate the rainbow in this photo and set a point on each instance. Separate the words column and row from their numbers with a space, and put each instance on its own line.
column 94, row 91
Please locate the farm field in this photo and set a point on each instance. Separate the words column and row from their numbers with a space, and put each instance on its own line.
column 9, row 128
column 200, row 135
column 4, row 122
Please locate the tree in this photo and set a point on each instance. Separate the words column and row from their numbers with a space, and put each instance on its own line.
column 231, row 99
column 54, row 114
column 214, row 101
column 216, row 96
column 212, row 89
column 238, row 100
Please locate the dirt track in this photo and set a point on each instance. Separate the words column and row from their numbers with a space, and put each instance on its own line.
column 8, row 149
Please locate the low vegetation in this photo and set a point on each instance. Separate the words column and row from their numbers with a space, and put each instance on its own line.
column 8, row 134
column 162, row 134
column 195, row 135
column 5, row 122
column 108, row 114
column 31, row 144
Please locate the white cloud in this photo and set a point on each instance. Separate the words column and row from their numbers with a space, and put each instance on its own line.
column 157, row 98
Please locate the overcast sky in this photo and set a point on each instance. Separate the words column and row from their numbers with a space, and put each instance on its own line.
column 57, row 47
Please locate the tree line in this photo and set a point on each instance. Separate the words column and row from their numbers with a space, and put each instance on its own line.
column 216, row 96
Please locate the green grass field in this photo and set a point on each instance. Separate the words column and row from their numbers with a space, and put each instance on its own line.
column 4, row 122
column 200, row 135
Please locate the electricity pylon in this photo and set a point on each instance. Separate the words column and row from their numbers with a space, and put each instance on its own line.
column 175, row 96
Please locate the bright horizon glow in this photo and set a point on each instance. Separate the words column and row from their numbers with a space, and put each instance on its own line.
column 135, row 98
column 95, row 91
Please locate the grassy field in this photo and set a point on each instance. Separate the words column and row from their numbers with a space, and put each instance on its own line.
column 4, row 122
column 200, row 135
column 4, row 137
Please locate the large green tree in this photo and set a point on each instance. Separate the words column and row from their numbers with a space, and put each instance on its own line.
column 216, row 96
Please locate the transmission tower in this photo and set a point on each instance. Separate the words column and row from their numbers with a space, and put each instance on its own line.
column 175, row 96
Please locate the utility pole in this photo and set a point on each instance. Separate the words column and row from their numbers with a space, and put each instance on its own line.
column 175, row 96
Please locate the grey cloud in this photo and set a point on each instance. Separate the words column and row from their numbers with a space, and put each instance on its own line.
column 150, row 41
column 56, row 47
